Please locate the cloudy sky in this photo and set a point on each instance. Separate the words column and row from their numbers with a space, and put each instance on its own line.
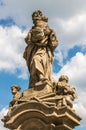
column 68, row 19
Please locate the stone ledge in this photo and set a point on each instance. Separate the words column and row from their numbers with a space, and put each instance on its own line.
column 50, row 117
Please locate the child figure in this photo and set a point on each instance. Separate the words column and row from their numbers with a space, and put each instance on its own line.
column 17, row 95
column 64, row 89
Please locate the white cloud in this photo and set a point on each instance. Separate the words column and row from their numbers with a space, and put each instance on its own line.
column 58, row 55
column 11, row 50
column 76, row 70
column 81, row 111
column 3, row 112
column 71, row 31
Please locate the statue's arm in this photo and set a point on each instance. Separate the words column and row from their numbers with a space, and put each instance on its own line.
column 53, row 40
column 28, row 38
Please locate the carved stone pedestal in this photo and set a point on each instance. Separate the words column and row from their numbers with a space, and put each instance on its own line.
column 34, row 115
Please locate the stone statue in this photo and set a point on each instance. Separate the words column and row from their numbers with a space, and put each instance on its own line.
column 41, row 42
column 15, row 89
column 17, row 94
column 63, row 89
column 46, row 104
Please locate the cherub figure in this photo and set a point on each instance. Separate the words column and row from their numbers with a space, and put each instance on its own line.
column 17, row 94
column 63, row 88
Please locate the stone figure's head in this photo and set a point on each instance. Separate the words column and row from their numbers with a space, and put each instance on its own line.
column 15, row 89
column 37, row 15
column 64, row 78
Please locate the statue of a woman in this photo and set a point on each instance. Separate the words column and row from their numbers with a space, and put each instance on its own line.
column 41, row 42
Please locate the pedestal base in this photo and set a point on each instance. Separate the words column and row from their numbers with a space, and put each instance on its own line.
column 34, row 115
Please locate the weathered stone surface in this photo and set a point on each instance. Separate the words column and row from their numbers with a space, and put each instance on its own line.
column 46, row 104
column 36, row 115
column 41, row 42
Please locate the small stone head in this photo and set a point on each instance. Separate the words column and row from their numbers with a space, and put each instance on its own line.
column 37, row 15
column 64, row 78
column 15, row 89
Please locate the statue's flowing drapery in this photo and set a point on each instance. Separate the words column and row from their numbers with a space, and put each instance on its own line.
column 41, row 42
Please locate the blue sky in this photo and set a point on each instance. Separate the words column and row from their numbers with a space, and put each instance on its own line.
column 68, row 19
